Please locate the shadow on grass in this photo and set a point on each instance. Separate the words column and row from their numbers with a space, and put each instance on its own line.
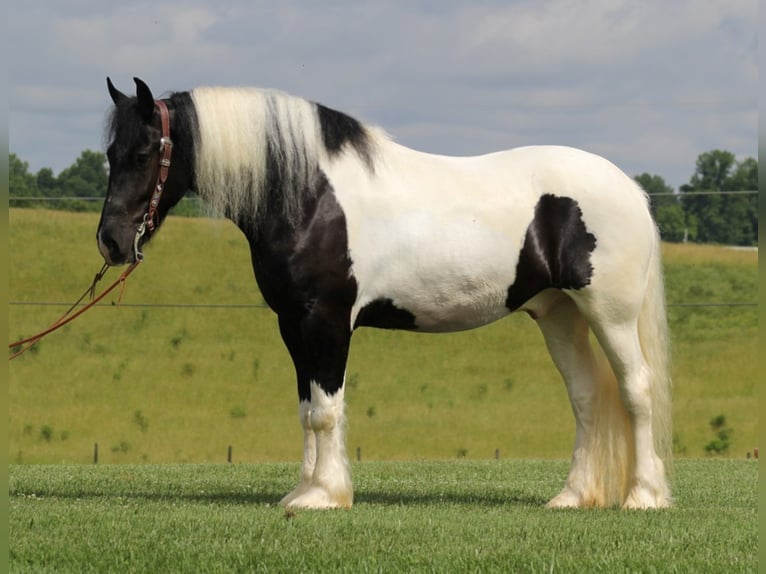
column 473, row 499
column 271, row 497
column 238, row 486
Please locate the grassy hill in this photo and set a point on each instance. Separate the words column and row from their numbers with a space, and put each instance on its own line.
column 158, row 381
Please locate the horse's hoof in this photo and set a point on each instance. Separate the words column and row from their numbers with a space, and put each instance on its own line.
column 565, row 499
column 317, row 498
column 298, row 491
column 643, row 497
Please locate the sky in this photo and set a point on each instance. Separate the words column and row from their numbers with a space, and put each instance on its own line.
column 649, row 84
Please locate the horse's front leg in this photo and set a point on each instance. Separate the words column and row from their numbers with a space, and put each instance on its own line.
column 309, row 453
column 319, row 350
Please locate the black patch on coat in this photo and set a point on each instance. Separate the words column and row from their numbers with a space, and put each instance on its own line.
column 556, row 251
column 339, row 129
column 383, row 314
column 183, row 129
column 303, row 271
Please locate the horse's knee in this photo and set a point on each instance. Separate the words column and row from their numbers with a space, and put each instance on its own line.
column 326, row 410
column 636, row 396
column 323, row 419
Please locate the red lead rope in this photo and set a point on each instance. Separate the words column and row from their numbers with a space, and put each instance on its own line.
column 29, row 342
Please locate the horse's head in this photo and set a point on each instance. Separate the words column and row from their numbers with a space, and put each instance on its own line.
column 136, row 147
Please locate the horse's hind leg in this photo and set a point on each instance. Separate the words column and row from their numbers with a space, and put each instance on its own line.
column 319, row 350
column 648, row 486
column 566, row 334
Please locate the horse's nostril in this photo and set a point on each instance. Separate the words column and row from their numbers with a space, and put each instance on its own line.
column 109, row 248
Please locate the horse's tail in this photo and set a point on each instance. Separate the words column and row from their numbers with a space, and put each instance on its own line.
column 655, row 344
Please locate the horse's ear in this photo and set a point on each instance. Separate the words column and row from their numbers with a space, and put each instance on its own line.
column 145, row 100
column 116, row 95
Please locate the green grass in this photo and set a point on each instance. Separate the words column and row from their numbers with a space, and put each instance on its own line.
column 458, row 516
column 173, row 384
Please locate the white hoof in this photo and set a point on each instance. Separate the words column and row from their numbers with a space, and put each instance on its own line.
column 299, row 490
column 566, row 499
column 642, row 497
column 315, row 497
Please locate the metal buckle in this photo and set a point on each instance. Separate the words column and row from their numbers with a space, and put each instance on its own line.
column 139, row 234
column 165, row 141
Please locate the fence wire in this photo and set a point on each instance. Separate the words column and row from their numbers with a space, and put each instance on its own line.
column 264, row 306
column 197, row 198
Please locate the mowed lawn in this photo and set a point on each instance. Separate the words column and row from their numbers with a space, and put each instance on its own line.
column 443, row 516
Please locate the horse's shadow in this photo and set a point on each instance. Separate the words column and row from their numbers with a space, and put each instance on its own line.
column 472, row 499
column 271, row 497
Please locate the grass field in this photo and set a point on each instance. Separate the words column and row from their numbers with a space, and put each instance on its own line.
column 447, row 516
column 155, row 380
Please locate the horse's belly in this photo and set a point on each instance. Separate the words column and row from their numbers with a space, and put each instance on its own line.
column 458, row 312
column 444, row 277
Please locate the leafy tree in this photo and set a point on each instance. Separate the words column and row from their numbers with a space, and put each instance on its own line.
column 718, row 217
column 665, row 205
column 47, row 183
column 745, row 177
column 744, row 213
column 87, row 177
column 21, row 183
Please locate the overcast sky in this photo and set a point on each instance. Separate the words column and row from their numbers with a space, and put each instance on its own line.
column 650, row 84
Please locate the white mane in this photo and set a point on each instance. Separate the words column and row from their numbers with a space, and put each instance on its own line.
column 237, row 129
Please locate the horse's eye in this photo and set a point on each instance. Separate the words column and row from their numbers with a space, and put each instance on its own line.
column 142, row 159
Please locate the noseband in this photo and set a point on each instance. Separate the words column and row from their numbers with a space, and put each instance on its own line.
column 151, row 217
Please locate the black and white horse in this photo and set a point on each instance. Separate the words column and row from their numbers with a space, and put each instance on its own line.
column 349, row 229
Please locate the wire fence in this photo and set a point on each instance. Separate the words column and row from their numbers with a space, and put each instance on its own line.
column 75, row 198
column 264, row 306
column 196, row 198
column 710, row 192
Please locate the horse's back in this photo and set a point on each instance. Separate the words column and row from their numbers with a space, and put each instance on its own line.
column 509, row 183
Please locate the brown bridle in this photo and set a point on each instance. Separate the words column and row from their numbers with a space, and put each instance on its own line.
column 151, row 217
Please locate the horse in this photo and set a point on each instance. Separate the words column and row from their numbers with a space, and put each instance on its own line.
column 349, row 229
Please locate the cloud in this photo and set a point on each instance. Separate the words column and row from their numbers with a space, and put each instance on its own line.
column 649, row 84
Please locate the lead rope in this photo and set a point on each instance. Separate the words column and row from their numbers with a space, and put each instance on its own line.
column 29, row 342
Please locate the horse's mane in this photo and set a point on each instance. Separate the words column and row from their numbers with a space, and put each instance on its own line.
column 251, row 142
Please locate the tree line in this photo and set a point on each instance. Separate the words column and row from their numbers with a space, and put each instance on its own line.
column 713, row 207
column 80, row 187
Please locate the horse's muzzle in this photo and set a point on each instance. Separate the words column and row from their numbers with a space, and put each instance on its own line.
column 116, row 246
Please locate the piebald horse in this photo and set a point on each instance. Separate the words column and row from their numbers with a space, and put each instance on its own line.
column 349, row 229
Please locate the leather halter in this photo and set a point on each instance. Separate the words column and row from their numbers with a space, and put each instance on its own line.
column 151, row 218
column 166, row 151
